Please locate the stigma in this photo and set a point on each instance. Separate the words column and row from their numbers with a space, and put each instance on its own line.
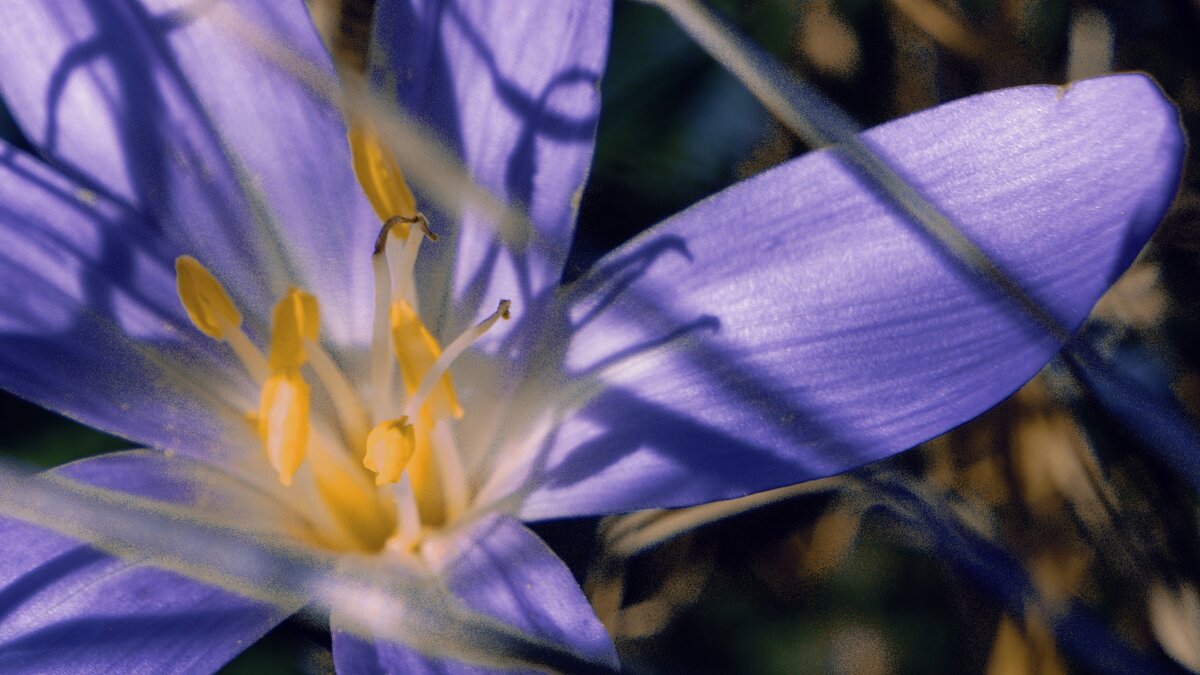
column 384, row 451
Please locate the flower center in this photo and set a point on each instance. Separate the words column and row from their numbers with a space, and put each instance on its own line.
column 384, row 466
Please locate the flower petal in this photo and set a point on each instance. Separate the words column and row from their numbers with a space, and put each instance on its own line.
column 513, row 87
column 90, row 324
column 158, row 104
column 795, row 326
column 500, row 569
column 66, row 607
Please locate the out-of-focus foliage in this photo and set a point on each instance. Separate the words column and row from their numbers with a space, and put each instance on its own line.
column 1057, row 533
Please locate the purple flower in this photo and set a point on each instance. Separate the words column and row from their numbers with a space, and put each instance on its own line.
column 791, row 327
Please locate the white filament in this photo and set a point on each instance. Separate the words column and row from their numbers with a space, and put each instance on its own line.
column 381, row 357
column 442, row 364
column 251, row 356
column 354, row 420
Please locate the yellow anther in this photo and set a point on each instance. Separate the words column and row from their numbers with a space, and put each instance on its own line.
column 390, row 446
column 379, row 174
column 417, row 350
column 296, row 319
column 283, row 422
column 204, row 298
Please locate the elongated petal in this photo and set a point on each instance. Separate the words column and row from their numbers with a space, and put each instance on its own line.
column 90, row 324
column 66, row 607
column 795, row 326
column 502, row 570
column 160, row 104
column 513, row 86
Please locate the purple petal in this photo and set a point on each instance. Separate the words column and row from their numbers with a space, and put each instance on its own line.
column 66, row 607
column 173, row 116
column 795, row 326
column 502, row 570
column 90, row 324
column 513, row 87
column 225, row 498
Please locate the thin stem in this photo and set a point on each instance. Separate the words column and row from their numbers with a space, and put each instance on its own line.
column 408, row 513
column 382, row 368
column 442, row 364
column 251, row 356
column 402, row 264
column 354, row 419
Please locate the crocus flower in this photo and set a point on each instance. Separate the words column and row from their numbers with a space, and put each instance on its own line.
column 191, row 264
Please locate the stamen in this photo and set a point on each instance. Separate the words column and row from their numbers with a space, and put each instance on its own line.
column 379, row 174
column 212, row 311
column 390, row 282
column 295, row 322
column 249, row 355
column 294, row 342
column 349, row 409
column 390, row 446
column 207, row 303
column 381, row 362
column 283, row 422
column 408, row 513
column 284, row 407
column 385, row 232
column 460, row 344
column 417, row 351
column 402, row 264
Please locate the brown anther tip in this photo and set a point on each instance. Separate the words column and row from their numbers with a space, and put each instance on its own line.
column 419, row 219
column 424, row 223
column 381, row 240
column 503, row 309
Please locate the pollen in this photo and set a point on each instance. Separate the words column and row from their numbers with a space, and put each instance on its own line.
column 283, row 422
column 390, row 446
column 283, row 413
column 204, row 298
column 416, row 351
column 379, row 174
column 295, row 322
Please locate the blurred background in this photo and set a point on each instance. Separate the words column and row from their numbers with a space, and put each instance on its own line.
column 1056, row 533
